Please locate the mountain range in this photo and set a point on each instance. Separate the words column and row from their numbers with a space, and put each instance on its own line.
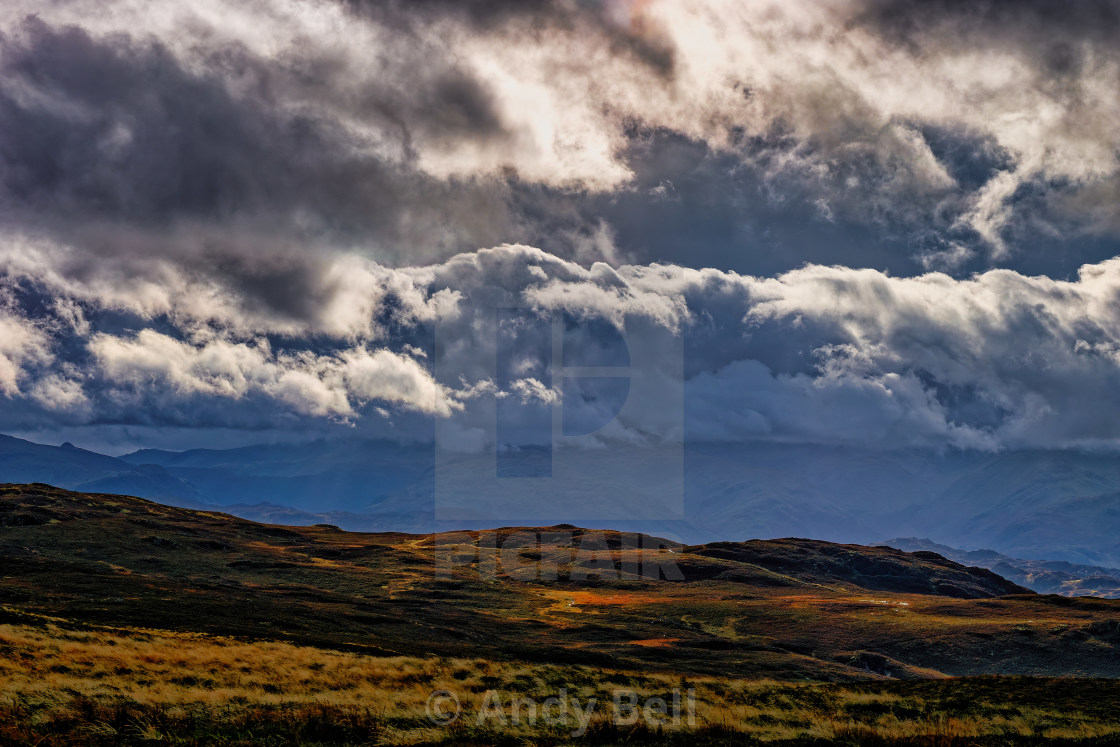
column 1037, row 506
column 1043, row 576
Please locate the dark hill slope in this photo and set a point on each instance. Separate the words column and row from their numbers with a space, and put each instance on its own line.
column 873, row 568
column 790, row 609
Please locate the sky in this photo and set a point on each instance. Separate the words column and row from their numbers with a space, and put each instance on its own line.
column 862, row 222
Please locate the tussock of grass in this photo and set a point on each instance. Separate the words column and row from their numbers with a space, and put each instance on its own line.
column 64, row 687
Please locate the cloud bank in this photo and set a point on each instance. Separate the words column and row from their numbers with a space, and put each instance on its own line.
column 264, row 215
column 820, row 354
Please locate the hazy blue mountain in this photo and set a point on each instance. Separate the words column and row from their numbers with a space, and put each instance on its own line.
column 836, row 493
column 359, row 476
column 1062, row 506
column 1058, row 505
column 72, row 468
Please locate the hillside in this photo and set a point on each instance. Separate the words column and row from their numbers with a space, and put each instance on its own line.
column 128, row 622
column 787, row 609
column 872, row 568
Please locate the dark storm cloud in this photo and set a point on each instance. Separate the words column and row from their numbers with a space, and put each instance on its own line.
column 1069, row 59
column 113, row 145
column 129, row 135
column 1057, row 30
column 382, row 127
column 249, row 215
column 115, row 130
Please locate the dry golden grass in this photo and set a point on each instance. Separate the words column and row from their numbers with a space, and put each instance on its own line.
column 60, row 686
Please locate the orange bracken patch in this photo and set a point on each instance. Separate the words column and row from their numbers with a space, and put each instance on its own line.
column 655, row 642
column 572, row 601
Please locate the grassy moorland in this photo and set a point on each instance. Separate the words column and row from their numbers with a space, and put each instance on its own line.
column 63, row 687
column 126, row 622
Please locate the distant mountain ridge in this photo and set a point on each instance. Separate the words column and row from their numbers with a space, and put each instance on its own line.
column 78, row 469
column 1042, row 576
column 1054, row 506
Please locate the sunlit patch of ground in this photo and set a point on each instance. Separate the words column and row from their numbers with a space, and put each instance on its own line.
column 574, row 600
